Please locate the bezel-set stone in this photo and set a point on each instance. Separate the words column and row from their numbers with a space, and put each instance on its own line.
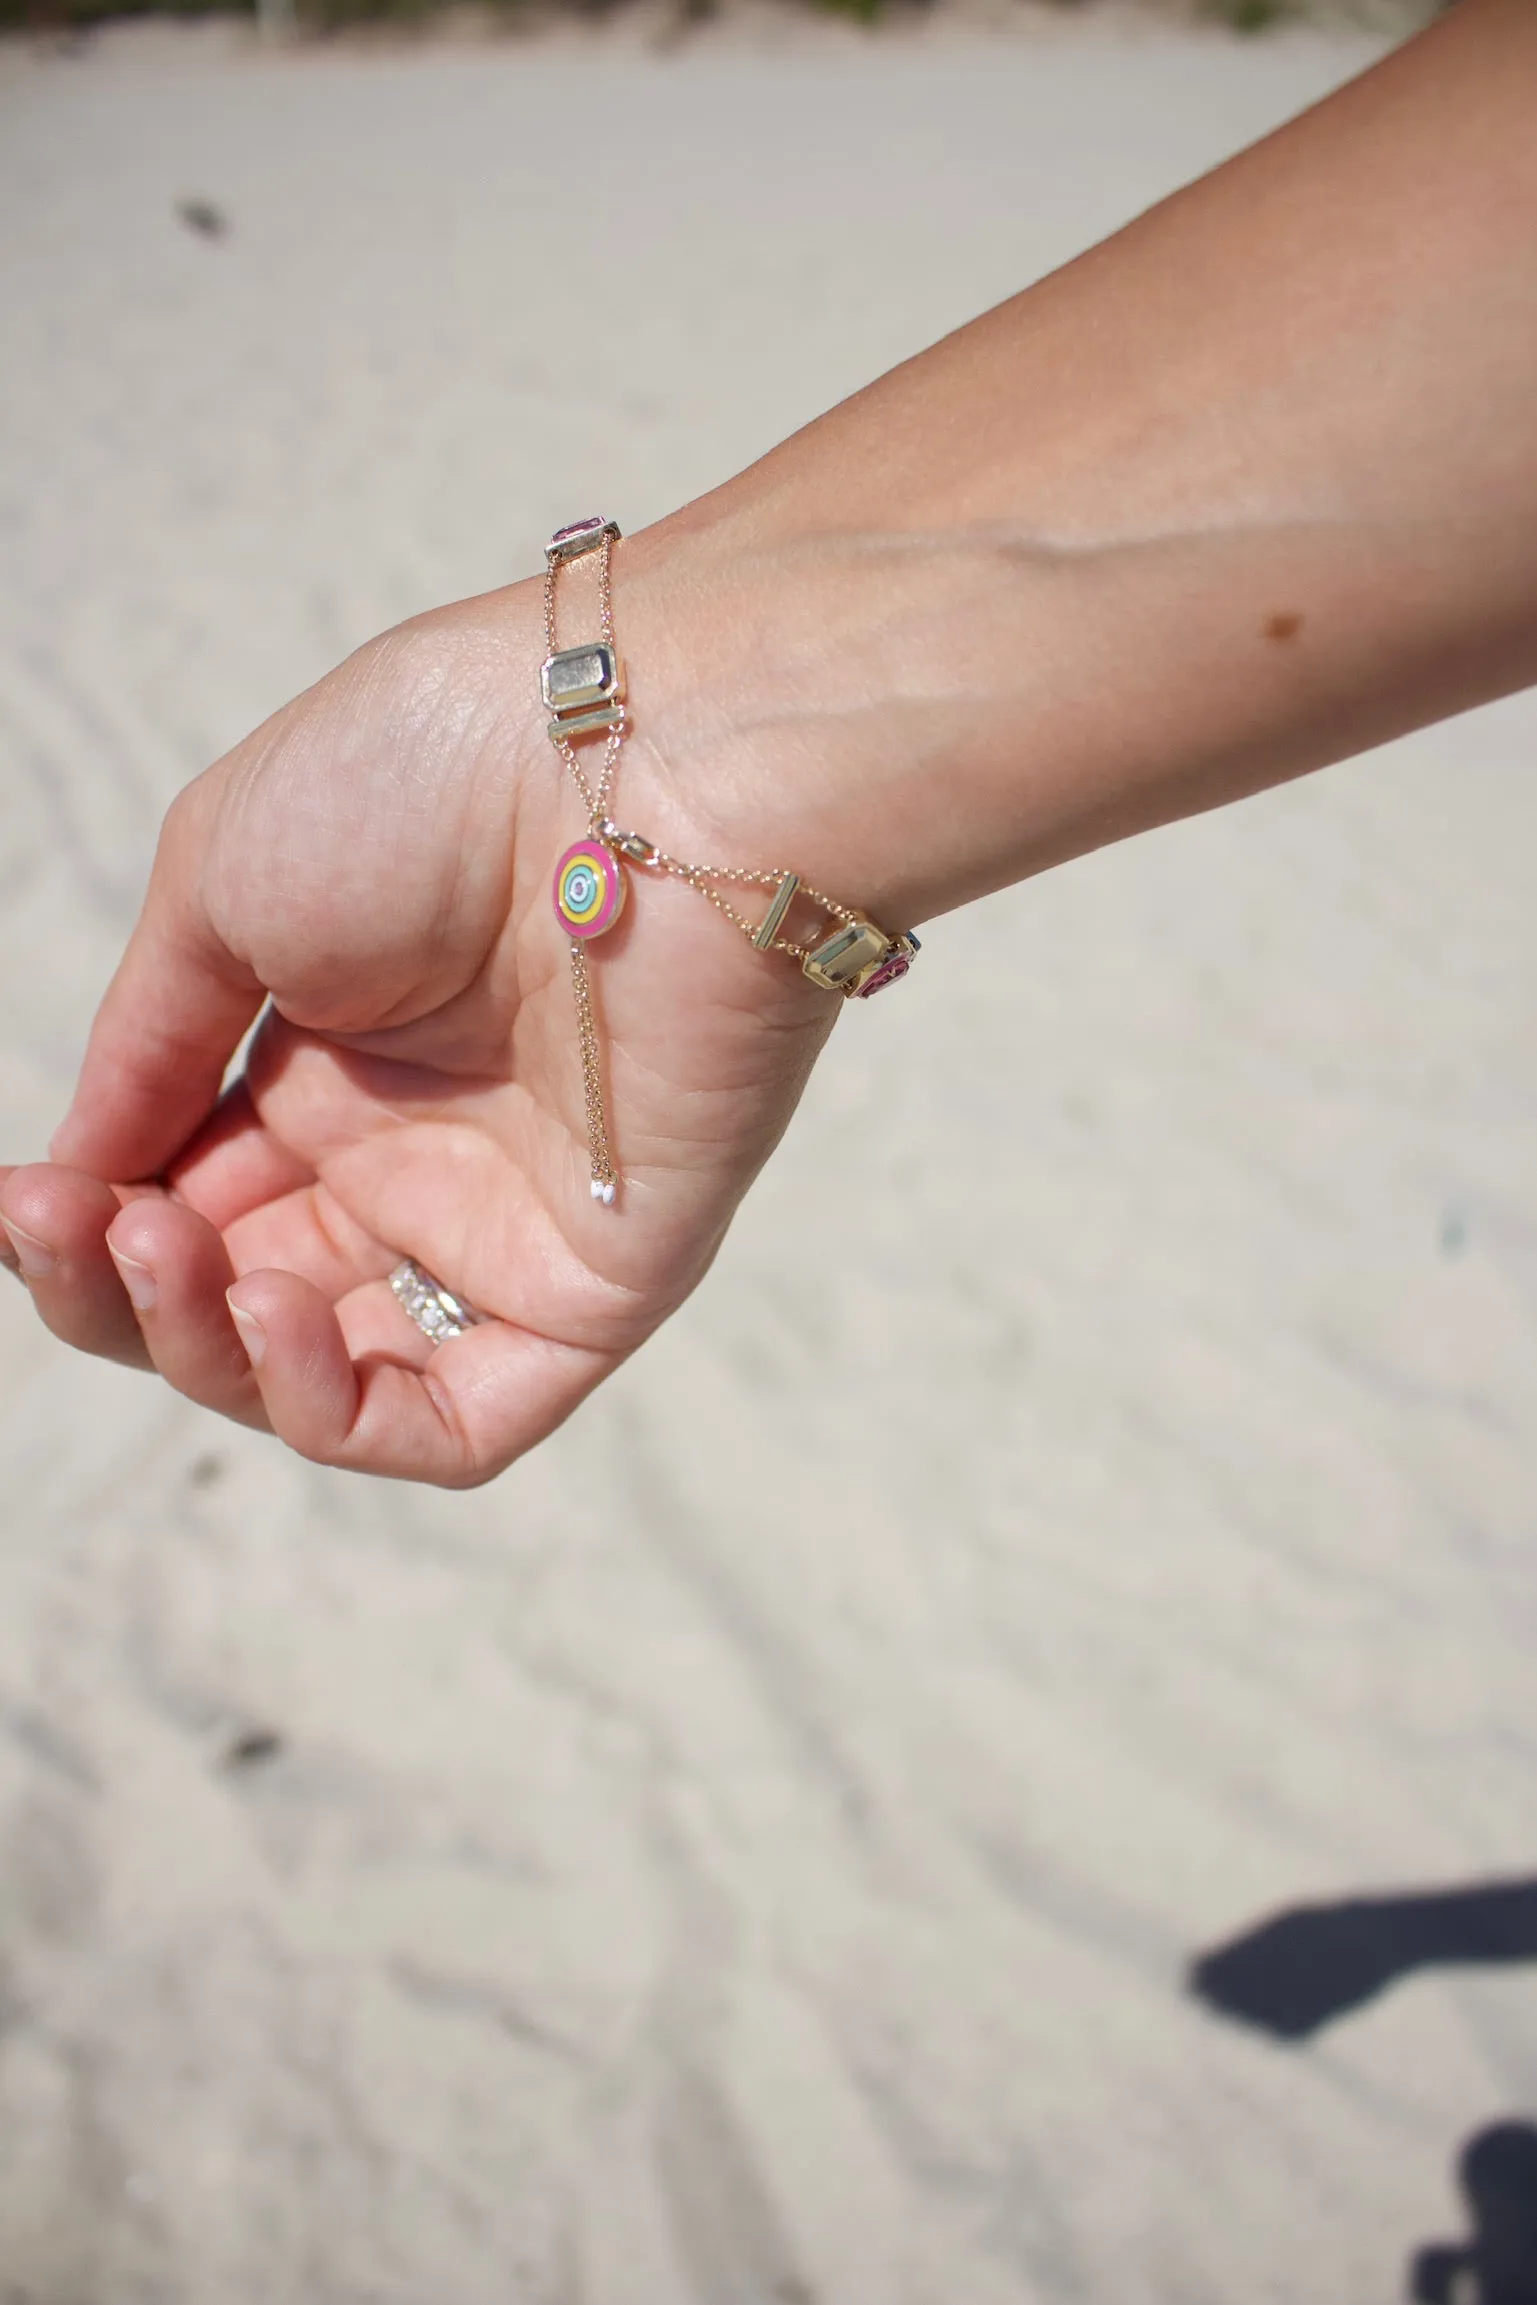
column 580, row 536
column 848, row 958
column 575, row 679
column 859, row 959
column 892, row 969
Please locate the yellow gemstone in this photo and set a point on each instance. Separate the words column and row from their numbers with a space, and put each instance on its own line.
column 848, row 957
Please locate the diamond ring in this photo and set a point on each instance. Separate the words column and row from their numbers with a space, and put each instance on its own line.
column 437, row 1312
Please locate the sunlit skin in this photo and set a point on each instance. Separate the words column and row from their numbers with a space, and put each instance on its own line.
column 1247, row 489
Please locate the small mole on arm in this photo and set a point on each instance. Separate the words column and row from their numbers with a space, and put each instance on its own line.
column 1284, row 625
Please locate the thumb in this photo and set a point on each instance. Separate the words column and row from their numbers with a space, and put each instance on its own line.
column 168, row 1025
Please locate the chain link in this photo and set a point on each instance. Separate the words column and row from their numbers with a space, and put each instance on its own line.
column 699, row 876
column 605, row 1180
column 604, row 1177
column 704, row 878
column 594, row 799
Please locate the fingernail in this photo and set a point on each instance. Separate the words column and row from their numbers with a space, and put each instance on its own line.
column 252, row 1335
column 137, row 1279
column 34, row 1259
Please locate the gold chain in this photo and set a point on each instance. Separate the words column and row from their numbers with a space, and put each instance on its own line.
column 605, row 1180
column 594, row 801
column 595, row 798
column 861, row 958
column 700, row 876
column 603, row 1173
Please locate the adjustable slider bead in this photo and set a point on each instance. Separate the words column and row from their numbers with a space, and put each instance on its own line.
column 574, row 724
column 774, row 919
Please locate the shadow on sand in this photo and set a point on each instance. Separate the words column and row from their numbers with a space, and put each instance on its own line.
column 1497, row 2264
column 1298, row 1972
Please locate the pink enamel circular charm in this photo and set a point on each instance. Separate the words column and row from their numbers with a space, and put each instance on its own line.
column 590, row 889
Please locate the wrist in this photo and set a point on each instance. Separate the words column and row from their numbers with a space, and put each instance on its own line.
column 801, row 703
column 915, row 719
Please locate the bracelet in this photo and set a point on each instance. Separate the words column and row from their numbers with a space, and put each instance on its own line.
column 583, row 691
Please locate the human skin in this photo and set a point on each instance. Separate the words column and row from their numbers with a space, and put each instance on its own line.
column 1248, row 488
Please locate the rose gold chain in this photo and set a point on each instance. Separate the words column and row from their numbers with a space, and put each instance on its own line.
column 595, row 797
column 700, row 876
column 603, row 1172
column 594, row 800
column 865, row 953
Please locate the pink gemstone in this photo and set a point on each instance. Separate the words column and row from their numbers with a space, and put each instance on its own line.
column 888, row 973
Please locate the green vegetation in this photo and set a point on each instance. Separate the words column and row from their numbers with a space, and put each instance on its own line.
column 1247, row 15
column 327, row 16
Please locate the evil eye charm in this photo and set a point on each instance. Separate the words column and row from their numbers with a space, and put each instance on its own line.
column 590, row 889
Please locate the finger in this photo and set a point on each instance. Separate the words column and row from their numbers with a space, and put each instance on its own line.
column 477, row 1402
column 234, row 1163
column 169, row 1023
column 8, row 1256
column 175, row 1269
column 310, row 1233
column 56, row 1220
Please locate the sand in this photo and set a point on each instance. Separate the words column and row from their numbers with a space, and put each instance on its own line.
column 750, row 1854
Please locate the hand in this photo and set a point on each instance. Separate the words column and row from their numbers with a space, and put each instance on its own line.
column 376, row 860
column 1169, row 527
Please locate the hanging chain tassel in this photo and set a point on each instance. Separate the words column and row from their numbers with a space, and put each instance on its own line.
column 605, row 1182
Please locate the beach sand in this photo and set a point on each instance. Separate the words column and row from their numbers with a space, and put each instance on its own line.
column 750, row 1854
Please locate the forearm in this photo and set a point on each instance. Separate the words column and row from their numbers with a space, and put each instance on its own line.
column 1252, row 486
column 1248, row 488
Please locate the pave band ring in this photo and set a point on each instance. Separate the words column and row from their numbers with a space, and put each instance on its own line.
column 437, row 1312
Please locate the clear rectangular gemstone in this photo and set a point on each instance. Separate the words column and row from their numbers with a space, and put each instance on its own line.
column 574, row 678
column 848, row 957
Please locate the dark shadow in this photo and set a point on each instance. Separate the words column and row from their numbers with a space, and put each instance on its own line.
column 1296, row 1973
column 252, row 1749
column 203, row 218
column 1497, row 2264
